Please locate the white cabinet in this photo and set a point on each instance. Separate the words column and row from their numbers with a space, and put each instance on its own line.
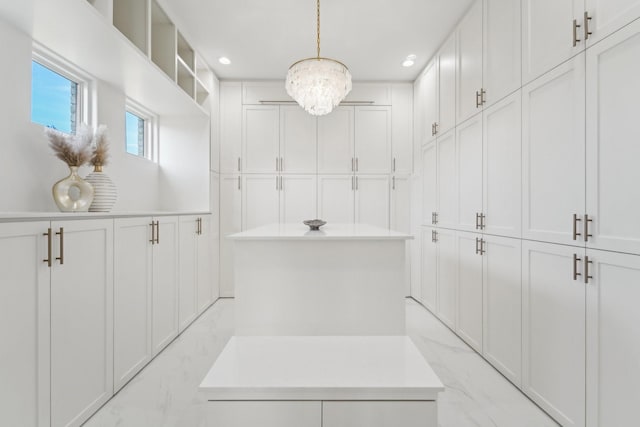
column 502, row 169
column 230, row 223
column 429, row 182
column 469, row 167
column 207, row 267
column 613, row 338
column 447, row 277
column 372, row 200
column 501, row 49
column 24, row 331
column 298, row 131
column 446, row 98
column 427, row 110
column 298, row 201
column 613, row 88
column 133, row 290
column 401, row 128
column 469, row 289
column 547, row 34
column 553, row 340
column 502, row 305
column 335, row 141
column 372, row 140
column 379, row 414
column 81, row 319
column 260, row 138
column 429, row 262
column 608, row 16
column 165, row 283
column 447, row 212
column 553, row 153
column 230, row 127
column 469, row 64
column 260, row 200
column 400, row 206
column 336, row 198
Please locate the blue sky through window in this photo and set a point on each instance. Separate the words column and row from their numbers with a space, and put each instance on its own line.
column 52, row 99
column 134, row 134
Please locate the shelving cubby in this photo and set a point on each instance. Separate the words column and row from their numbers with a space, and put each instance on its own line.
column 163, row 41
column 130, row 17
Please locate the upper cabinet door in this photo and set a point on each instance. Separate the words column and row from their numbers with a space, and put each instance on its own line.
column 428, row 117
column 447, row 212
column 373, row 139
column 335, row 141
column 613, row 90
column 548, row 34
column 502, row 47
column 429, row 183
column 553, row 147
column 502, row 193
column 469, row 64
column 469, row 166
column 297, row 140
column 260, row 139
column 230, row 127
column 447, row 86
column 608, row 16
column 401, row 125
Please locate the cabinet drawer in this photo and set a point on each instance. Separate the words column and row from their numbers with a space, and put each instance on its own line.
column 265, row 414
column 379, row 414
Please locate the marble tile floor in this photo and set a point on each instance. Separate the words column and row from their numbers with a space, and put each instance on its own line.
column 164, row 394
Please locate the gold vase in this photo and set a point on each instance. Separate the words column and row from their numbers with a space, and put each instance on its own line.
column 73, row 194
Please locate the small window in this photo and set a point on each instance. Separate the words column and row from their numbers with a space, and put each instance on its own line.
column 135, row 134
column 140, row 131
column 54, row 99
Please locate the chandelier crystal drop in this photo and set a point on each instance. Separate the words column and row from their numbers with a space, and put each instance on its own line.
column 318, row 84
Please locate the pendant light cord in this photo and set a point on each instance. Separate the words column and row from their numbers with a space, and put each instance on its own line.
column 318, row 31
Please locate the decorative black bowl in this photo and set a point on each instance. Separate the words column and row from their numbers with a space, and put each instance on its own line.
column 314, row 224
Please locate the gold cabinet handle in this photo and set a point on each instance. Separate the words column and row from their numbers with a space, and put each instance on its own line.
column 586, row 270
column 482, row 96
column 587, row 18
column 575, row 32
column 49, row 243
column 576, row 220
column 576, row 259
column 586, row 222
column 153, row 232
column 61, row 234
column 158, row 232
column 477, row 99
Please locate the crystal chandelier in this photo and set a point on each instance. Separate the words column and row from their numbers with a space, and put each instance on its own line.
column 318, row 84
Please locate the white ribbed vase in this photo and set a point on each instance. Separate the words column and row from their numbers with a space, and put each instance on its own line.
column 105, row 191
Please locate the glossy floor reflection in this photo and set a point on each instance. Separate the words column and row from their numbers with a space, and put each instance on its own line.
column 165, row 392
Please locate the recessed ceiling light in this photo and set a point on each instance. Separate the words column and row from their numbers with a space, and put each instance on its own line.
column 411, row 57
column 407, row 63
column 224, row 60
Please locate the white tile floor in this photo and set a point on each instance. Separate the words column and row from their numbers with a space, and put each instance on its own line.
column 165, row 393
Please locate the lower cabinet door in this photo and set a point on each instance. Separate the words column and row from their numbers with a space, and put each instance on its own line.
column 613, row 339
column 336, row 194
column 372, row 200
column 429, row 276
column 188, row 289
column 132, row 298
column 502, row 305
column 469, row 261
column 24, row 329
column 379, row 414
column 205, row 264
column 81, row 319
column 447, row 277
column 265, row 413
column 553, row 316
column 165, row 283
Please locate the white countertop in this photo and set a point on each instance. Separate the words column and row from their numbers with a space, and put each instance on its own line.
column 40, row 216
column 321, row 368
column 331, row 231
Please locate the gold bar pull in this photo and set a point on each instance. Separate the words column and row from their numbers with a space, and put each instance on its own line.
column 434, row 236
column 482, row 217
column 575, row 267
column 587, row 220
column 153, row 232
column 158, row 232
column 482, row 98
column 477, row 99
column 477, row 220
column 575, row 32
column 587, row 33
column 61, row 234
column 575, row 227
column 477, row 246
column 49, row 243
column 586, row 270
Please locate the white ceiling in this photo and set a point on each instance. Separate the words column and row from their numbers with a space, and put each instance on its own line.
column 264, row 37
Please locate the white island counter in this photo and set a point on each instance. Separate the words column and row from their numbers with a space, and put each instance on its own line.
column 345, row 279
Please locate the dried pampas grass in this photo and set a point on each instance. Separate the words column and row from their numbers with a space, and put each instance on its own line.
column 74, row 150
column 100, row 154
